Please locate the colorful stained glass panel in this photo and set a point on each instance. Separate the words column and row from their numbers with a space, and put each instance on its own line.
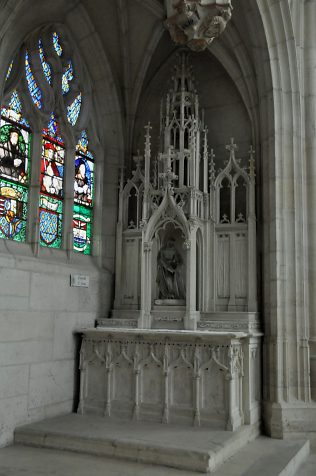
column 34, row 90
column 46, row 66
column 50, row 221
column 15, row 151
column 84, row 181
column 52, row 168
column 52, row 130
column 83, row 144
column 56, row 43
column 9, row 71
column 68, row 76
column 14, row 110
column 13, row 211
column 82, row 229
column 73, row 110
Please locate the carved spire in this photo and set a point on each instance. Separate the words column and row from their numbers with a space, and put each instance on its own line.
column 168, row 175
column 212, row 169
column 138, row 159
column 252, row 170
column 205, row 161
column 232, row 147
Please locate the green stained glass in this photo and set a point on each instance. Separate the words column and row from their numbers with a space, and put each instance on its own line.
column 50, row 221
column 13, row 210
column 15, row 152
column 82, row 229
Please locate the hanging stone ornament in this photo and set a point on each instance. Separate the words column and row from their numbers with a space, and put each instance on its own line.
column 196, row 23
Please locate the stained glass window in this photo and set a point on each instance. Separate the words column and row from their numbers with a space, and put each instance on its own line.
column 68, row 76
column 35, row 91
column 73, row 110
column 46, row 67
column 52, row 176
column 15, row 154
column 9, row 71
column 57, row 45
column 16, row 144
column 83, row 196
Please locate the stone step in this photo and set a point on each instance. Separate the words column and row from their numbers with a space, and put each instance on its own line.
column 267, row 457
column 186, row 448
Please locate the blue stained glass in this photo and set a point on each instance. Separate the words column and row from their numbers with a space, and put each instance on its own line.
column 57, row 44
column 46, row 67
column 9, row 71
column 53, row 129
column 83, row 144
column 35, row 91
column 73, row 110
column 67, row 77
column 15, row 103
column 52, row 125
column 14, row 110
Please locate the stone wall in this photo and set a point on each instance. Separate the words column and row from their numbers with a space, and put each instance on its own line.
column 39, row 313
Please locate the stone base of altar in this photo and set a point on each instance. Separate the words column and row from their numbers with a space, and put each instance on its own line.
column 195, row 449
column 194, row 378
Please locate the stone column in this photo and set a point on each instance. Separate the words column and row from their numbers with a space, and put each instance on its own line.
column 310, row 125
column 144, row 321
column 191, row 315
column 33, row 218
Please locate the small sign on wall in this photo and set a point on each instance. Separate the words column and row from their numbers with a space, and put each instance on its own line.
column 79, row 280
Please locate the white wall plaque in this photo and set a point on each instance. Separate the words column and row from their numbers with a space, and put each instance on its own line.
column 79, row 280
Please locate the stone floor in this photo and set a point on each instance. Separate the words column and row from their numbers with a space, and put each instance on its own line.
column 261, row 457
column 26, row 461
column 23, row 461
column 175, row 446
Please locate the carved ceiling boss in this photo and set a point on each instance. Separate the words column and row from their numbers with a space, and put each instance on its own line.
column 196, row 23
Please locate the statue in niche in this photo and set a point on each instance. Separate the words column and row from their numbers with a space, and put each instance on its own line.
column 170, row 274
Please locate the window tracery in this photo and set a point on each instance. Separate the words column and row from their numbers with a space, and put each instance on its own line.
column 48, row 82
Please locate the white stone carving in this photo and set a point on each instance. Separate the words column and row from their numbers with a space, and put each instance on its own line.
column 196, row 23
column 185, row 258
column 194, row 378
column 183, row 201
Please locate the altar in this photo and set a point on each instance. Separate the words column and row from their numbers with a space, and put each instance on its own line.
column 183, row 342
column 194, row 378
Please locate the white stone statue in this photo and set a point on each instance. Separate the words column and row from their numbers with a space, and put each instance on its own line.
column 170, row 274
column 196, row 23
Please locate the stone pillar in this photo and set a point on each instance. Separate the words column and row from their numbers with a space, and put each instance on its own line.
column 144, row 321
column 33, row 217
column 191, row 315
column 119, row 245
column 252, row 238
column 310, row 125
